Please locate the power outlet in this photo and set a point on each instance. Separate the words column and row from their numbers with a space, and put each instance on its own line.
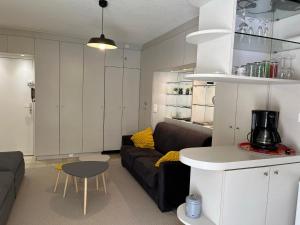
column 71, row 155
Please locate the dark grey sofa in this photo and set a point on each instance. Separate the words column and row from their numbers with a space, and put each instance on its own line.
column 168, row 185
column 12, row 170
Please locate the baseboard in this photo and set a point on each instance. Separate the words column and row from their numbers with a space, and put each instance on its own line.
column 111, row 152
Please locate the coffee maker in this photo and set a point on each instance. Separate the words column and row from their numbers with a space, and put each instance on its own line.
column 264, row 134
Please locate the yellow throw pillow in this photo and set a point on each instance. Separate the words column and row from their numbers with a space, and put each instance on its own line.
column 143, row 139
column 169, row 157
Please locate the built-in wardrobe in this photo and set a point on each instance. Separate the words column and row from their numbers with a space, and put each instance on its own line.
column 86, row 99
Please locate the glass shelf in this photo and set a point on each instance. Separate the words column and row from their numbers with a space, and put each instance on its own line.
column 204, row 105
column 179, row 94
column 177, row 106
column 250, row 42
column 273, row 12
column 179, row 82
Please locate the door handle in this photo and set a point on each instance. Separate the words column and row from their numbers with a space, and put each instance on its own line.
column 276, row 172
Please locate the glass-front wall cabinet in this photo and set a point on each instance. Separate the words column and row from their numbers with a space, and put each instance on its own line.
column 191, row 101
column 267, row 39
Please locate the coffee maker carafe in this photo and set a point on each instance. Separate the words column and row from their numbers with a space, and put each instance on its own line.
column 264, row 134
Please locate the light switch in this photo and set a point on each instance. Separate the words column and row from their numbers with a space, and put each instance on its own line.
column 155, row 108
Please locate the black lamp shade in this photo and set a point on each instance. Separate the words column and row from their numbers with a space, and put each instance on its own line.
column 102, row 43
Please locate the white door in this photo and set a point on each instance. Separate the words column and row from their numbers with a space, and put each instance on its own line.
column 132, row 59
column 114, row 58
column 131, row 89
column 47, row 97
column 71, row 80
column 16, row 114
column 245, row 197
column 113, row 108
column 250, row 97
column 283, row 192
column 93, row 100
column 224, row 115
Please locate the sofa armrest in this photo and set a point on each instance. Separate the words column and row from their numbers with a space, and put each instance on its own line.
column 173, row 184
column 126, row 140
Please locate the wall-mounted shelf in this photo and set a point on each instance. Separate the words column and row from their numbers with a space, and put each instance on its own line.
column 206, row 35
column 239, row 79
column 177, row 106
column 204, row 105
column 189, row 221
column 256, row 43
column 179, row 94
column 179, row 82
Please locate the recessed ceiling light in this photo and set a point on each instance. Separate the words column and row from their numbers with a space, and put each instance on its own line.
column 22, row 55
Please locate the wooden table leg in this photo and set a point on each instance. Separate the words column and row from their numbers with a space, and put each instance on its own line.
column 104, row 182
column 57, row 179
column 66, row 185
column 85, row 196
column 76, row 185
column 97, row 183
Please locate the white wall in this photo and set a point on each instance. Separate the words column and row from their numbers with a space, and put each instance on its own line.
column 162, row 54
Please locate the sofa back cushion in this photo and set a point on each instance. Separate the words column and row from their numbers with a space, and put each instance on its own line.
column 170, row 137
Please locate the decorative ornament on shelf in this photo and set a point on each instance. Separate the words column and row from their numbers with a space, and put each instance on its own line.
column 102, row 42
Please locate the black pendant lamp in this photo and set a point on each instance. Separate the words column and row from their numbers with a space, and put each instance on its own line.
column 102, row 42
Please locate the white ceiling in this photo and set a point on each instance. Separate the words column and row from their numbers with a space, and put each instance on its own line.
column 128, row 21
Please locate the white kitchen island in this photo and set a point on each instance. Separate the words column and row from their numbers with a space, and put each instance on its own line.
column 239, row 187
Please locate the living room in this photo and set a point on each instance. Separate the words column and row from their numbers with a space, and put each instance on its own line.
column 149, row 112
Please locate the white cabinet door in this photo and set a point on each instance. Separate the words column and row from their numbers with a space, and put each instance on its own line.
column 245, row 197
column 93, row 100
column 47, row 97
column 224, row 115
column 113, row 108
column 20, row 45
column 114, row 58
column 132, row 59
column 131, row 89
column 3, row 43
column 250, row 97
column 71, row 77
column 283, row 191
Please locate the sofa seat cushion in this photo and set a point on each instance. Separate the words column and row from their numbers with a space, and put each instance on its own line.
column 10, row 161
column 6, row 184
column 145, row 169
column 130, row 154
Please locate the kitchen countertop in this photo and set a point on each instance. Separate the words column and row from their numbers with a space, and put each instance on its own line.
column 220, row 158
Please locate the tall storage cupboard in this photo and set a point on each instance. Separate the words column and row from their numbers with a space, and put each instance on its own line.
column 113, row 108
column 122, row 87
column 131, row 89
column 47, row 97
column 71, row 82
column 93, row 100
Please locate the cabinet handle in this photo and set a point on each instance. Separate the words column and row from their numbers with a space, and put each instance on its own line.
column 230, row 127
column 266, row 174
column 237, row 128
column 276, row 172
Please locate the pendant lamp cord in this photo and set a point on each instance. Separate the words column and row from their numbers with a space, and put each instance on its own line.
column 102, row 20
